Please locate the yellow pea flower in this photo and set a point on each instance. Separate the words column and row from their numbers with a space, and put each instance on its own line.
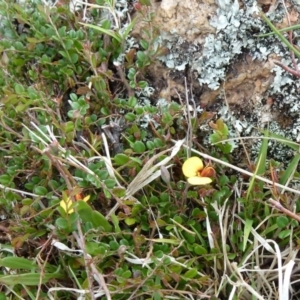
column 66, row 203
column 195, row 172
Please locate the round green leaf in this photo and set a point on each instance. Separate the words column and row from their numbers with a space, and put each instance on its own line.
column 40, row 190
column 27, row 201
column 130, row 221
column 132, row 101
column 62, row 223
column 104, row 111
column 74, row 58
column 110, row 183
column 284, row 233
column 142, row 84
column 19, row 89
column 119, row 192
column 121, row 159
column 130, row 117
column 282, row 221
column 150, row 145
column 127, row 274
column 139, row 147
column 158, row 143
column 199, row 250
column 5, row 179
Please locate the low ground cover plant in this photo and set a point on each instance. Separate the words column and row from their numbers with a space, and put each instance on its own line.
column 107, row 194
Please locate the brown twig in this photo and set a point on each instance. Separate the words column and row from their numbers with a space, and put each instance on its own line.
column 284, row 210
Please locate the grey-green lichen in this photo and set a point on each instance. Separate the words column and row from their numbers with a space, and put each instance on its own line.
column 233, row 27
column 234, row 32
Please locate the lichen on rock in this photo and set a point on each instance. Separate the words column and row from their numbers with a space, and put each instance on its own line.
column 228, row 55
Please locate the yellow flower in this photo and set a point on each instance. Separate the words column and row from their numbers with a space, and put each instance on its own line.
column 67, row 204
column 195, row 172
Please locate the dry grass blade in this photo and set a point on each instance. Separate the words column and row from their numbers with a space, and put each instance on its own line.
column 150, row 172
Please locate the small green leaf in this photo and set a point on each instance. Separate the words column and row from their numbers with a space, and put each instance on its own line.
column 33, row 40
column 104, row 111
column 189, row 238
column 150, row 145
column 121, row 159
column 141, row 55
column 62, row 31
column 62, row 223
column 144, row 44
column 226, row 148
column 127, row 274
column 191, row 273
column 284, row 234
column 131, row 73
column 106, row 24
column 156, row 296
column 223, row 179
column 282, row 221
column 92, row 248
column 132, row 101
column 27, row 201
column 99, row 220
column 115, row 221
column 214, row 138
column 142, row 84
column 40, row 190
column 222, row 127
column 5, row 179
column 73, row 97
column 74, row 58
column 139, row 147
column 119, row 192
column 68, row 127
column 130, row 221
column 19, row 89
column 130, row 117
column 110, row 183
column 63, row 54
column 18, row 61
column 158, row 143
column 68, row 44
column 199, row 250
